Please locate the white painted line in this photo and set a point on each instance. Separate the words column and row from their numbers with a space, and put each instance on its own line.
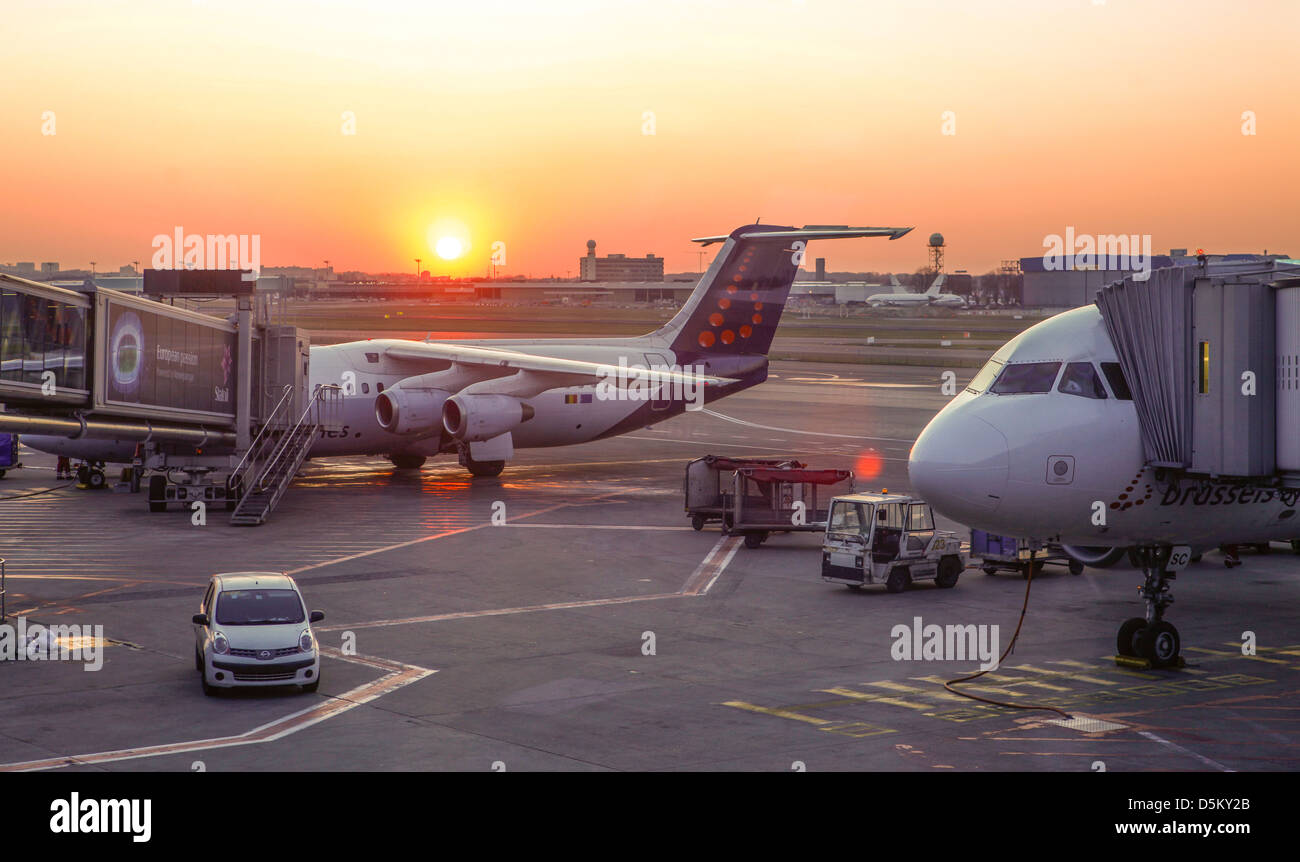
column 726, row 418
column 399, row 675
column 1176, row 747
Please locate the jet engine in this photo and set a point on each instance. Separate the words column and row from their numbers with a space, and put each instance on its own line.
column 410, row 410
column 472, row 418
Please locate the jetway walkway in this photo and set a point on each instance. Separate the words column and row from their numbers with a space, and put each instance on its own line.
column 215, row 409
column 1211, row 354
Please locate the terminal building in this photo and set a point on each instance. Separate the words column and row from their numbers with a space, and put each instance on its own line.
column 619, row 267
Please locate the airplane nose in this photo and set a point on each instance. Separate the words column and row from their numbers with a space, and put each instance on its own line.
column 959, row 466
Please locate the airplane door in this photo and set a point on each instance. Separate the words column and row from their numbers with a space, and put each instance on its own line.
column 661, row 399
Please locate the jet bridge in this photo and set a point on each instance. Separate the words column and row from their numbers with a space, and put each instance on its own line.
column 1211, row 354
column 222, row 402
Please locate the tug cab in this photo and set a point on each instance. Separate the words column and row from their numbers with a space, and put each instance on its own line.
column 888, row 539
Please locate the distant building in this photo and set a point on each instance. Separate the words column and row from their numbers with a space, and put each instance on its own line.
column 50, row 268
column 619, row 267
column 25, row 267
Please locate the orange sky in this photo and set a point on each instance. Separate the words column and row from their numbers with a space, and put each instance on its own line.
column 523, row 122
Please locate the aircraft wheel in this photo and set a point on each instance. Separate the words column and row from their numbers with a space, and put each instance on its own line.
column 1076, row 567
column 407, row 462
column 899, row 578
column 697, row 522
column 1159, row 644
column 484, row 469
column 1126, row 639
column 949, row 572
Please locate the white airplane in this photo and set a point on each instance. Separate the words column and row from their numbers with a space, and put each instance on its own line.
column 1047, row 429
column 483, row 399
column 902, row 297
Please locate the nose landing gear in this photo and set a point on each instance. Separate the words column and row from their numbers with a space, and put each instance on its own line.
column 1150, row 637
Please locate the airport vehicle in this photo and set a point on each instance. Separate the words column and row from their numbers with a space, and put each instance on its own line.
column 8, row 453
column 766, row 500
column 482, row 399
column 903, row 297
column 1080, row 429
column 888, row 539
column 253, row 629
column 1007, row 552
column 709, row 482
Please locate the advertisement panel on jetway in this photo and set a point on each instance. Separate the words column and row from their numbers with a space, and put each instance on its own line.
column 157, row 360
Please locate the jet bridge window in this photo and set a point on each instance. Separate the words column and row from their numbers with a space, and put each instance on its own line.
column 1024, row 377
column 1081, row 379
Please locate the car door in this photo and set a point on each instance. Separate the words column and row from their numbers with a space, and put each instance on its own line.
column 200, row 632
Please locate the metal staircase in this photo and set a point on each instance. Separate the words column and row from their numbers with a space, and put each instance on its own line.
column 277, row 452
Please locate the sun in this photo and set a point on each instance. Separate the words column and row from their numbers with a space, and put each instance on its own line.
column 449, row 248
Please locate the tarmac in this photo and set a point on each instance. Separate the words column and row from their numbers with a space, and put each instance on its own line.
column 595, row 630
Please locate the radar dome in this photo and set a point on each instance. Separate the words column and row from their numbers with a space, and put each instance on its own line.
column 936, row 239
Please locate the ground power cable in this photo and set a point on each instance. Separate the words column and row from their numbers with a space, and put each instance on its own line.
column 1029, row 580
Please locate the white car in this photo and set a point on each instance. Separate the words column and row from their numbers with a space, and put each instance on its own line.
column 253, row 629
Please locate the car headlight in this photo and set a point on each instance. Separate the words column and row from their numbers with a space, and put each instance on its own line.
column 305, row 642
column 220, row 645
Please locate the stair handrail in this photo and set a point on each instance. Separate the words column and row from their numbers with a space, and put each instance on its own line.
column 270, row 420
column 317, row 395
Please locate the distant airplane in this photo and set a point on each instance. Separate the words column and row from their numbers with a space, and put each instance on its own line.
column 900, row 296
column 483, row 399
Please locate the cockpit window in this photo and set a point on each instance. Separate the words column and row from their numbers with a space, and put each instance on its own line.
column 1023, row 377
column 1118, row 385
column 981, row 381
column 1080, row 378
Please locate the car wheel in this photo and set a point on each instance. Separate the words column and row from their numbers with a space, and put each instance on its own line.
column 697, row 522
column 311, row 687
column 209, row 690
column 898, row 580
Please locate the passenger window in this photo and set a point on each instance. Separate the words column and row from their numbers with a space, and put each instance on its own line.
column 1025, row 377
column 1080, row 378
column 379, row 387
column 365, row 388
column 981, row 381
column 1115, row 377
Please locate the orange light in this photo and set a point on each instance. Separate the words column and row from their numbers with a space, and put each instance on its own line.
column 753, row 297
column 758, row 306
column 728, row 336
column 757, row 318
column 746, row 331
column 724, row 303
column 706, row 339
column 731, row 288
column 869, row 465
column 737, row 278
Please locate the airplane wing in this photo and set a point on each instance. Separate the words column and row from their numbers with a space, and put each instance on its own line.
column 540, row 372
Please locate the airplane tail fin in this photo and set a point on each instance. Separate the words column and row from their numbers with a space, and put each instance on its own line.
column 937, row 285
column 737, row 304
column 896, row 284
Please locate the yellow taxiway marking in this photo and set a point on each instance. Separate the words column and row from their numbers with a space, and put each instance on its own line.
column 1238, row 654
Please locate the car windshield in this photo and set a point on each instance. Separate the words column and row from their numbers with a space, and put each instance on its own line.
column 847, row 519
column 1026, row 377
column 259, row 608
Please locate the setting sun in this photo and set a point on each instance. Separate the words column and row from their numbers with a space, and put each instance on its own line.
column 449, row 248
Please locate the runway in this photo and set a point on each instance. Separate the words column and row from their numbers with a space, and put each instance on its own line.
column 595, row 630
